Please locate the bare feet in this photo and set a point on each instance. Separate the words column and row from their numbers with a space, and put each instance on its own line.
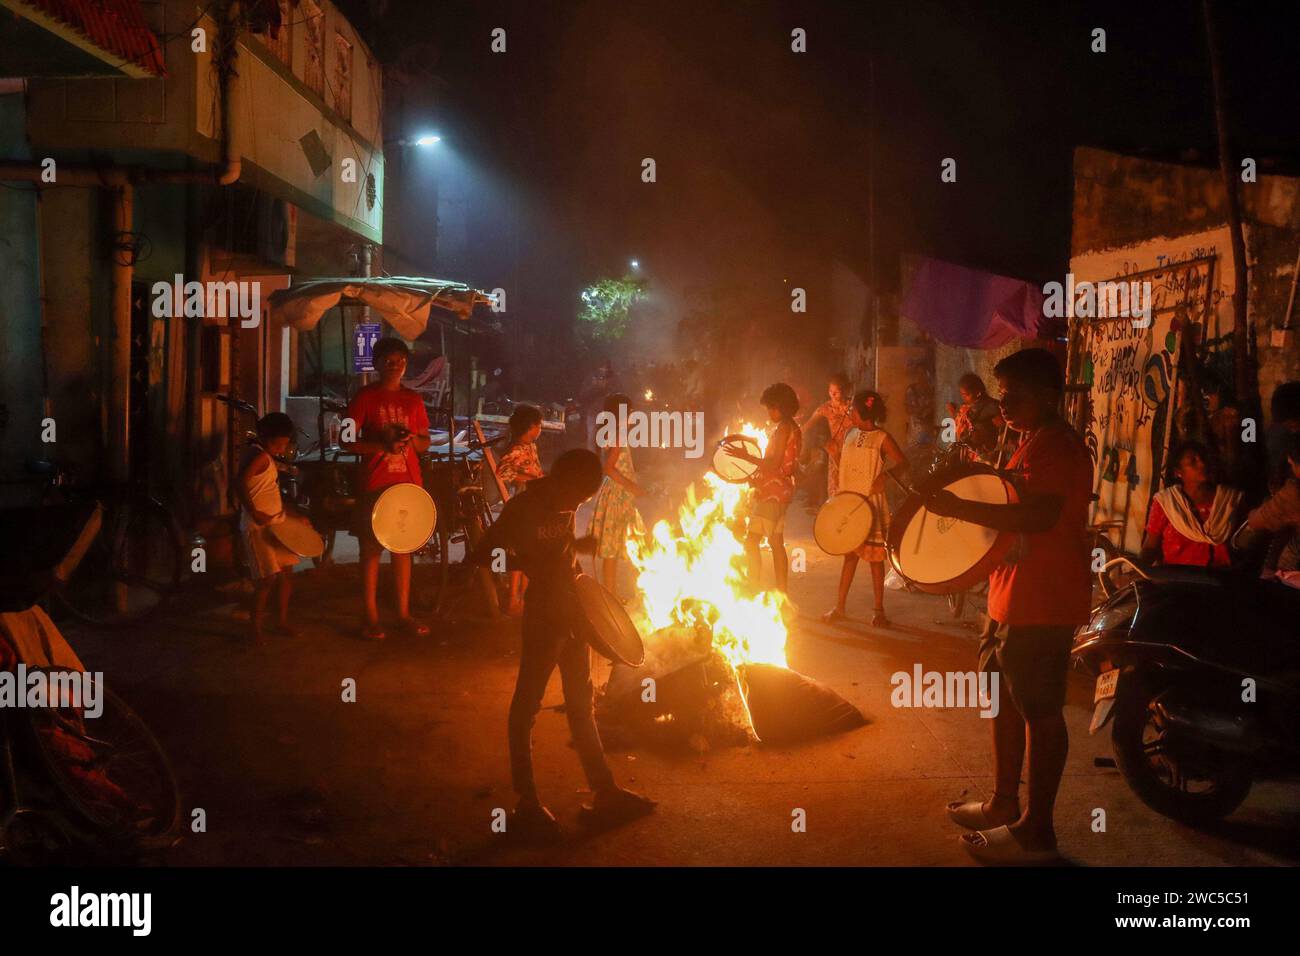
column 878, row 618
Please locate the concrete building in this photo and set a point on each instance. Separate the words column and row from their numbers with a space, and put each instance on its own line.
column 230, row 143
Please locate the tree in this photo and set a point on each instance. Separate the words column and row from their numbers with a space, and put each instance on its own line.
column 607, row 305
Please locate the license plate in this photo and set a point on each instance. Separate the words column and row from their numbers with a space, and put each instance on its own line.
column 1107, row 683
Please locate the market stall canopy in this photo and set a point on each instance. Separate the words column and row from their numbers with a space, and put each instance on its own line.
column 404, row 302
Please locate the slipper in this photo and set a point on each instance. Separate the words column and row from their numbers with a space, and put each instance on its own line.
column 413, row 628
column 621, row 806
column 372, row 632
column 971, row 815
column 999, row 847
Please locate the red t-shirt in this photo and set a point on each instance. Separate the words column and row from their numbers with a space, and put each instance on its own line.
column 372, row 409
column 1175, row 548
column 1047, row 581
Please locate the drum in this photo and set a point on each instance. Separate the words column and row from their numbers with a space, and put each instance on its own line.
column 297, row 534
column 605, row 625
column 945, row 555
column 403, row 518
column 844, row 523
column 730, row 468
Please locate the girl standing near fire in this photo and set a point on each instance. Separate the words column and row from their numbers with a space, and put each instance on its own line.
column 615, row 514
column 837, row 412
column 774, row 483
column 869, row 455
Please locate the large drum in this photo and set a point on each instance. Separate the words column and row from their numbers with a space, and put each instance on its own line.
column 297, row 534
column 730, row 467
column 946, row 555
column 403, row 518
column 844, row 523
column 605, row 625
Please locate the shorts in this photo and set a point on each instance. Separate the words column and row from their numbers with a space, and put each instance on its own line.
column 1033, row 661
column 767, row 519
column 361, row 526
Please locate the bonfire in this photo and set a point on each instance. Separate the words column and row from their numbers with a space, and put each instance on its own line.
column 709, row 632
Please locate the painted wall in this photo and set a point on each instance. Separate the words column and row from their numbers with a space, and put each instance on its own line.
column 1131, row 370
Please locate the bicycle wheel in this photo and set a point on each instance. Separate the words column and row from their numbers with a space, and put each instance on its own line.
column 130, row 570
column 110, row 769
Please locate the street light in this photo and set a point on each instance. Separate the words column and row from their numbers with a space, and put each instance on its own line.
column 635, row 264
column 428, row 140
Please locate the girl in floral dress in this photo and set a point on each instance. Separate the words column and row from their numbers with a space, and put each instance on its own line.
column 615, row 514
column 838, row 415
column 518, row 466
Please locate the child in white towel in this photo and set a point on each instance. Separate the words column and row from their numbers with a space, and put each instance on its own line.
column 258, row 486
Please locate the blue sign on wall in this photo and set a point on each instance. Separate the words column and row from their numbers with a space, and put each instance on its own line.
column 363, row 347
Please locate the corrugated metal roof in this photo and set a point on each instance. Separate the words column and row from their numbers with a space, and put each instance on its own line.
column 117, row 27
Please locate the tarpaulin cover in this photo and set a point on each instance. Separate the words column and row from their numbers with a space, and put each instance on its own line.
column 969, row 308
column 404, row 302
column 787, row 707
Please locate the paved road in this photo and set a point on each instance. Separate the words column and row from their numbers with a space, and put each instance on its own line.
column 410, row 774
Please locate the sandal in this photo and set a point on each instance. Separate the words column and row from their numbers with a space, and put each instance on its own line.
column 413, row 628
column 372, row 632
column 999, row 847
column 971, row 815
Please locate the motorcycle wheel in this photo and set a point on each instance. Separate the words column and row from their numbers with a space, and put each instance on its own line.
column 1195, row 792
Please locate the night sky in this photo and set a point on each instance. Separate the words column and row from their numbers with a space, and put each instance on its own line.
column 763, row 154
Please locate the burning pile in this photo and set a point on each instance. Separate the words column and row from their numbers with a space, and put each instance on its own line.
column 711, row 639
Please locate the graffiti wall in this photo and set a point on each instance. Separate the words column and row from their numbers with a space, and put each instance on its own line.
column 1131, row 371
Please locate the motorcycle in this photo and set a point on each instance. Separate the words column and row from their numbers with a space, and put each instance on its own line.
column 1198, row 673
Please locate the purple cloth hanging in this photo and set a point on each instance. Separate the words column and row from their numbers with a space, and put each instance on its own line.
column 969, row 308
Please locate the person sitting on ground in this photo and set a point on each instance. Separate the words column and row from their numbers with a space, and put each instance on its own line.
column 536, row 531
column 257, row 486
column 869, row 454
column 518, row 466
column 1191, row 519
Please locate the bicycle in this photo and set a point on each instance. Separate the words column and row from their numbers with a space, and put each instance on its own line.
column 135, row 563
column 464, row 514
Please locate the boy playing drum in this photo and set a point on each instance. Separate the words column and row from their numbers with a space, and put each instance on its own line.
column 392, row 432
column 1036, row 600
column 536, row 529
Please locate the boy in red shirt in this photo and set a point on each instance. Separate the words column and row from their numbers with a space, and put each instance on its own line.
column 1036, row 600
column 392, row 431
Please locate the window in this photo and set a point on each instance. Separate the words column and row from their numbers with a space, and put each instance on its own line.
column 314, row 65
column 281, row 44
column 341, row 79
